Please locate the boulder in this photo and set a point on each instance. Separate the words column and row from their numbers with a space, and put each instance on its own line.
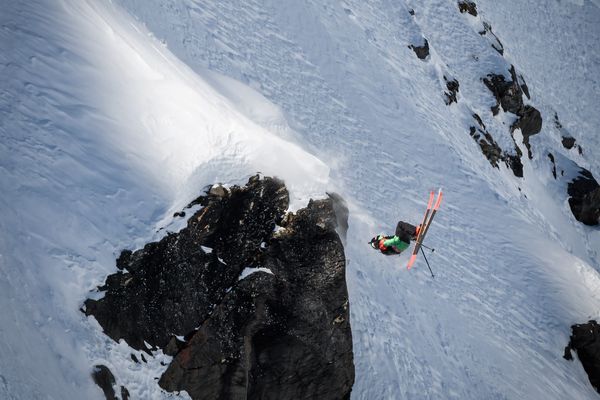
column 585, row 198
column 467, row 6
column 450, row 96
column 421, row 51
column 259, row 296
column 585, row 340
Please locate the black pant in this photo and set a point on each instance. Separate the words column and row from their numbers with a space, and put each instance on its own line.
column 405, row 231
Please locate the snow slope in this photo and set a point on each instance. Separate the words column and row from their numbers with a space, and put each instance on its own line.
column 107, row 129
column 104, row 133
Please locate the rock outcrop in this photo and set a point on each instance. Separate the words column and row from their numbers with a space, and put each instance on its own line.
column 106, row 381
column 450, row 96
column 492, row 151
column 494, row 41
column 509, row 96
column 585, row 340
column 421, row 51
column 259, row 296
column 585, row 198
column 467, row 6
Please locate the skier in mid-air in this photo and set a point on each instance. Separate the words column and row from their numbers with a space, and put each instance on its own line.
column 390, row 245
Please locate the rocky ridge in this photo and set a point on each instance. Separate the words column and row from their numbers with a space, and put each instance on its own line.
column 258, row 294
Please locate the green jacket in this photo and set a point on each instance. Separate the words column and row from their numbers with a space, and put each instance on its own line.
column 395, row 242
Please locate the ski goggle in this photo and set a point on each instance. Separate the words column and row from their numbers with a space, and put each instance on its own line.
column 374, row 243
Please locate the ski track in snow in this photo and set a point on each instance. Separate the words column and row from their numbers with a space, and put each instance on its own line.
column 105, row 134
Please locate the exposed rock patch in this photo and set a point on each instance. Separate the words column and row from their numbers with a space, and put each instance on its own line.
column 452, row 85
column 585, row 198
column 551, row 157
column 421, row 51
column 281, row 332
column 106, row 381
column 509, row 96
column 585, row 340
column 492, row 151
column 494, row 41
column 467, row 6
column 568, row 142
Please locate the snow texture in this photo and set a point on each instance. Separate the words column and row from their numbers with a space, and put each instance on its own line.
column 114, row 115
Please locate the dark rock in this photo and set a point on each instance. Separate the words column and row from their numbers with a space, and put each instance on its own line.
column 585, row 198
column 179, row 214
column 144, row 359
column 494, row 41
column 421, row 51
column 106, row 380
column 530, row 123
column 515, row 164
column 467, row 6
column 266, row 336
column 523, row 85
column 135, row 359
column 170, row 286
column 492, row 151
column 124, row 393
column 585, row 340
column 173, row 347
column 284, row 335
column 411, row 12
column 557, row 123
column 551, row 157
column 452, row 86
column 509, row 96
column 568, row 142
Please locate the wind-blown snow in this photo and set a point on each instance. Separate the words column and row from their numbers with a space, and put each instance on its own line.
column 105, row 133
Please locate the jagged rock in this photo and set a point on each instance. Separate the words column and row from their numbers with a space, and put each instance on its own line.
column 411, row 12
column 585, row 340
column 492, row 151
column 452, row 85
column 509, row 96
column 284, row 335
column 557, row 123
column 494, row 41
column 169, row 287
column 530, row 123
column 568, row 142
column 106, row 380
column 421, row 51
column 467, row 6
column 124, row 393
column 551, row 157
column 585, row 198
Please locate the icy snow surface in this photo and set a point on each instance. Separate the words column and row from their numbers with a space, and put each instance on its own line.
column 113, row 118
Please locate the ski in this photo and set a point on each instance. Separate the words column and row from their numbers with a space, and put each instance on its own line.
column 425, row 225
column 429, row 204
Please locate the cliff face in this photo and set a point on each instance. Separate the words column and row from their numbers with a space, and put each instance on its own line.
column 259, row 295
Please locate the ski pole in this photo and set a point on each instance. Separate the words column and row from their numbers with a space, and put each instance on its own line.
column 427, row 247
column 433, row 276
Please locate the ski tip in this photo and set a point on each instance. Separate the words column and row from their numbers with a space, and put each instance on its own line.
column 411, row 261
column 439, row 201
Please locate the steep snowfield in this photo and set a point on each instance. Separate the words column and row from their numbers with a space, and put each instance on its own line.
column 105, row 134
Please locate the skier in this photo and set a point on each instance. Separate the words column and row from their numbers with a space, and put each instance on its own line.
column 390, row 245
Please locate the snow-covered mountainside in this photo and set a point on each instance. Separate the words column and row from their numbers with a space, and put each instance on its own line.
column 114, row 115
